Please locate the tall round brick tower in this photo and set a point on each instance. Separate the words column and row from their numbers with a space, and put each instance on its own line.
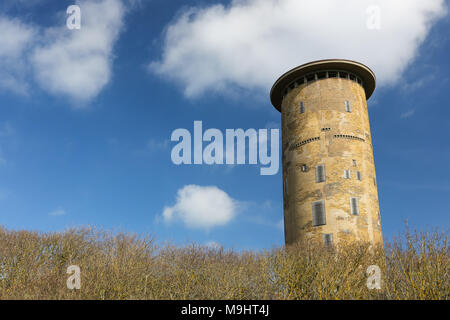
column 329, row 183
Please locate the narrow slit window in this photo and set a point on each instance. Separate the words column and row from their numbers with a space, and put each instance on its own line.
column 354, row 206
column 318, row 212
column 320, row 173
column 304, row 168
column 358, row 175
column 301, row 107
column 348, row 108
column 347, row 174
column 285, row 186
column 328, row 239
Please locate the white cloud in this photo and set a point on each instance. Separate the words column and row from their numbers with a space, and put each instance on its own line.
column 58, row 212
column 77, row 63
column 250, row 43
column 15, row 37
column 15, row 40
column 73, row 63
column 201, row 207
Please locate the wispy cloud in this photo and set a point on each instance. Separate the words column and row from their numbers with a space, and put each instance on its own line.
column 16, row 40
column 6, row 130
column 407, row 114
column 58, row 212
column 265, row 209
column 213, row 245
column 154, row 144
column 418, row 84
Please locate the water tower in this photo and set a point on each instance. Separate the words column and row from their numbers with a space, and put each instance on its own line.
column 329, row 182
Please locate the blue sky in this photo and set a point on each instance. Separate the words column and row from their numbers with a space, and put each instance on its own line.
column 87, row 145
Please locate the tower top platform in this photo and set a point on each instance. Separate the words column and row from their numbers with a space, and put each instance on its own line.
column 359, row 71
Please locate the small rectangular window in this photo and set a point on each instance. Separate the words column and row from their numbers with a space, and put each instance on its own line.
column 354, row 163
column 285, row 186
column 302, row 107
column 354, row 206
column 304, row 168
column 347, row 106
column 318, row 212
column 320, row 173
column 328, row 239
column 358, row 175
column 347, row 174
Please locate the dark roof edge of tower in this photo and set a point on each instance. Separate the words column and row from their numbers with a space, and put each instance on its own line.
column 361, row 70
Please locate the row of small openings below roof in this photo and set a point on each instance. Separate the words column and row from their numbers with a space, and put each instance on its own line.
column 322, row 75
column 343, row 136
